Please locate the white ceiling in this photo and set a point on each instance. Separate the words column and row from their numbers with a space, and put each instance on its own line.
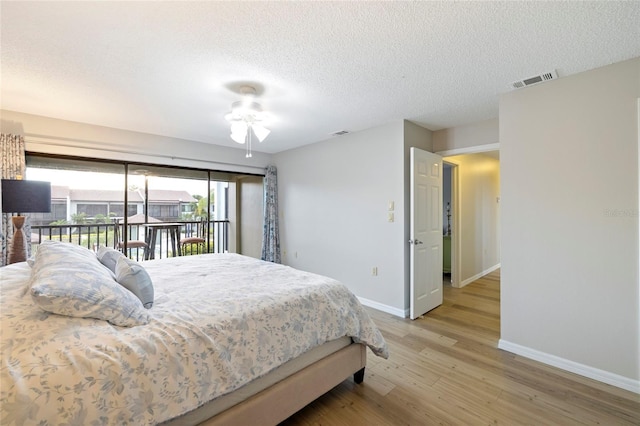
column 171, row 68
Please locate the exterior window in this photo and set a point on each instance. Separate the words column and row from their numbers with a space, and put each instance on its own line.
column 117, row 210
column 164, row 211
column 92, row 210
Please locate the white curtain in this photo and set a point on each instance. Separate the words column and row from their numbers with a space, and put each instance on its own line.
column 271, row 234
column 13, row 167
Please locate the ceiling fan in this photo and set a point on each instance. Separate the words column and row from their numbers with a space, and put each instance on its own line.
column 246, row 118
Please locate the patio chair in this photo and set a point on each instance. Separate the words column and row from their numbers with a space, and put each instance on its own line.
column 197, row 238
column 131, row 244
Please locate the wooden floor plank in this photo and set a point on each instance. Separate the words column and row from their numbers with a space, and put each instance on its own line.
column 445, row 368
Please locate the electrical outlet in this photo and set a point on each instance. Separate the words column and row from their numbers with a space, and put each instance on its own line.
column 391, row 217
column 374, row 271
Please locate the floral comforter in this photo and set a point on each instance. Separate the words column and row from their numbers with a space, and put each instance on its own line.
column 218, row 322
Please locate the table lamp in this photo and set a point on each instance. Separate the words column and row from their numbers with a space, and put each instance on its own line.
column 23, row 196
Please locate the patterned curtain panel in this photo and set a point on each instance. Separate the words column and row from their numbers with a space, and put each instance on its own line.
column 271, row 234
column 13, row 167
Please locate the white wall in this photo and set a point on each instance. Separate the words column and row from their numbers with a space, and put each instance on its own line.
column 334, row 198
column 334, row 201
column 463, row 137
column 479, row 225
column 569, row 157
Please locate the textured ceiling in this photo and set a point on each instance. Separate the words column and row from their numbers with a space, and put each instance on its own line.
column 173, row 68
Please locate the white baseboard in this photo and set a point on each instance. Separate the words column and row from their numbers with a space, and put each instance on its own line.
column 402, row 313
column 571, row 366
column 480, row 275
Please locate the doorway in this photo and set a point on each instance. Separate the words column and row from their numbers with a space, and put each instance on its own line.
column 474, row 180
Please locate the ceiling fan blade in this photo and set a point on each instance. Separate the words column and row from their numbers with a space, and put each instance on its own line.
column 238, row 131
column 260, row 132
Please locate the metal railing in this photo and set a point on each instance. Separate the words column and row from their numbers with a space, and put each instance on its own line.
column 215, row 236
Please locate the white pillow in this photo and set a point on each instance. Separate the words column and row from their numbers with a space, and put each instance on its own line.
column 68, row 279
column 131, row 275
column 109, row 257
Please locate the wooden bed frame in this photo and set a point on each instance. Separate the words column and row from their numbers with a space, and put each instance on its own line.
column 279, row 401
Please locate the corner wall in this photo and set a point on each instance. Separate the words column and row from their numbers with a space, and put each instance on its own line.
column 569, row 157
column 334, row 203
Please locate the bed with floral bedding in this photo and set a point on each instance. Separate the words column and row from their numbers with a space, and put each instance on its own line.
column 97, row 340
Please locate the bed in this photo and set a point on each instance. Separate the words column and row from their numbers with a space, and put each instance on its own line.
column 227, row 340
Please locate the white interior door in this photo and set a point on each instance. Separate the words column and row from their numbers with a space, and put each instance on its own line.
column 426, row 232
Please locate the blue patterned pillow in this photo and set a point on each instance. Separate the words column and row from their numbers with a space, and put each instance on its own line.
column 132, row 276
column 67, row 279
column 109, row 257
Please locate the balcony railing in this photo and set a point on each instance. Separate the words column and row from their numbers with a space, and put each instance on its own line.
column 214, row 233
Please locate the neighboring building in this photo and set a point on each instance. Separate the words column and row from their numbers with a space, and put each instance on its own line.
column 165, row 205
column 169, row 205
column 93, row 202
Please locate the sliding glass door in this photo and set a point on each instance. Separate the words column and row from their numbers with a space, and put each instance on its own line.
column 147, row 211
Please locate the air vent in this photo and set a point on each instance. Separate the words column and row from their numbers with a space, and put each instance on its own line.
column 340, row 133
column 541, row 78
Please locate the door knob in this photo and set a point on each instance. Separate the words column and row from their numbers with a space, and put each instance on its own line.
column 416, row 242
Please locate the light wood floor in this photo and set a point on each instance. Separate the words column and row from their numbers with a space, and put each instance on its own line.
column 445, row 368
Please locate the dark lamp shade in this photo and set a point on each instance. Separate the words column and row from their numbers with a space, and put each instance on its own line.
column 26, row 196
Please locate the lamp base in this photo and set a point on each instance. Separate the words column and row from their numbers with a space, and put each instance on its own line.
column 18, row 247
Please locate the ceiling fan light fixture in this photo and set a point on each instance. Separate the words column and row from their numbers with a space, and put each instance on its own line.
column 242, row 110
column 238, row 126
column 245, row 116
